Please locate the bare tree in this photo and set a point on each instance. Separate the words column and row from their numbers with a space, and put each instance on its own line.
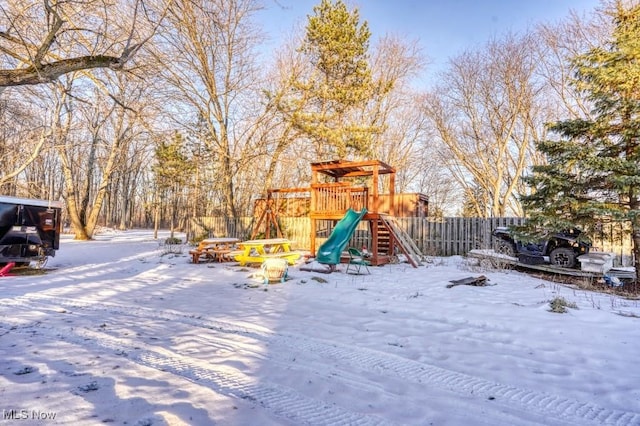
column 208, row 48
column 487, row 115
column 24, row 133
column 395, row 63
column 560, row 42
column 43, row 40
column 96, row 129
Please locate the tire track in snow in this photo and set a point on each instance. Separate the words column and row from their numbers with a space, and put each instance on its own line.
column 280, row 401
column 547, row 405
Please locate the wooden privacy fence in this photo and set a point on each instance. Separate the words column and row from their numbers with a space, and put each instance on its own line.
column 447, row 236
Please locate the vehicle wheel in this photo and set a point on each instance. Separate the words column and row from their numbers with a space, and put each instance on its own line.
column 506, row 248
column 563, row 257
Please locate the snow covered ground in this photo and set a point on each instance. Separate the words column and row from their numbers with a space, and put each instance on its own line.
column 122, row 332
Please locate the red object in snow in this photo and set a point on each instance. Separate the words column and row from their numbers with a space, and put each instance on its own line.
column 4, row 272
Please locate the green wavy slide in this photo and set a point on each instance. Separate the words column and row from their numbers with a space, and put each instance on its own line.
column 329, row 252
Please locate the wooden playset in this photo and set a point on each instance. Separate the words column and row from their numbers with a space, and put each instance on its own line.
column 338, row 186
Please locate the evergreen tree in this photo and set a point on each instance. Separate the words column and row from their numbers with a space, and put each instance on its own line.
column 593, row 169
column 173, row 171
column 339, row 82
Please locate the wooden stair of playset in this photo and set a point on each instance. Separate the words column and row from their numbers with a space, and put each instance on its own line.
column 384, row 238
column 402, row 239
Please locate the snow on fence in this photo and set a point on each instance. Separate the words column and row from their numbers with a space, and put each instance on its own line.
column 446, row 236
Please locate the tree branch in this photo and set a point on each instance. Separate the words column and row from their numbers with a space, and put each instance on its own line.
column 51, row 35
column 46, row 73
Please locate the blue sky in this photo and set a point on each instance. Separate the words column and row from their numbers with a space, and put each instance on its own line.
column 443, row 28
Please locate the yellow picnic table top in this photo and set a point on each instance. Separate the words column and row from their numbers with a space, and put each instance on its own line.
column 257, row 251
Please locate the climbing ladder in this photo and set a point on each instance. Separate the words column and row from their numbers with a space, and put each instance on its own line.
column 403, row 240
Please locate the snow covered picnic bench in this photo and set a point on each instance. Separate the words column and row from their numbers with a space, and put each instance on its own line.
column 214, row 249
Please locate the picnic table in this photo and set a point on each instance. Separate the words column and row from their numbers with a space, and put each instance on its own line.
column 215, row 249
column 257, row 251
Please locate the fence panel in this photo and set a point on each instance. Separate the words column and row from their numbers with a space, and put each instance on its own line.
column 297, row 229
column 451, row 236
column 615, row 238
column 206, row 227
column 447, row 236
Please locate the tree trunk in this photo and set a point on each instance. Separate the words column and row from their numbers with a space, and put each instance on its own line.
column 86, row 192
column 72, row 205
column 156, row 214
column 636, row 251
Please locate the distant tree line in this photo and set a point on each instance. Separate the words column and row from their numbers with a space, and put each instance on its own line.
column 155, row 111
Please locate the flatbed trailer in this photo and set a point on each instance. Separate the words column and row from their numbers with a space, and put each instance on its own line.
column 513, row 261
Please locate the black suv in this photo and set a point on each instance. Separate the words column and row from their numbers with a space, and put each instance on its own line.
column 561, row 248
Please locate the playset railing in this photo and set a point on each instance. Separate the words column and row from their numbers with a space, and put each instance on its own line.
column 336, row 198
